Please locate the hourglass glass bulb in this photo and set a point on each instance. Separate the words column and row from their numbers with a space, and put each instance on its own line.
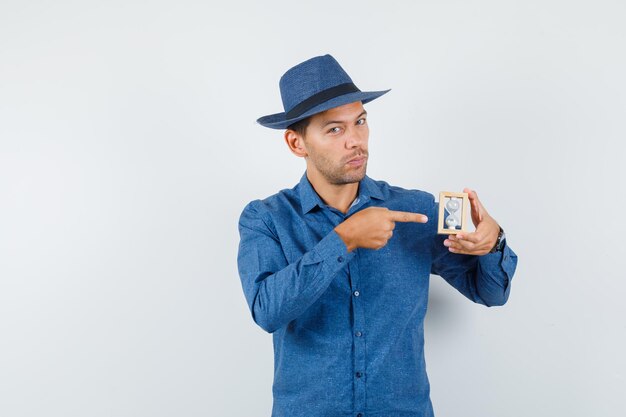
column 453, row 205
column 451, row 222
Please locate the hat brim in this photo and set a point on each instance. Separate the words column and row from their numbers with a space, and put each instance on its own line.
column 279, row 120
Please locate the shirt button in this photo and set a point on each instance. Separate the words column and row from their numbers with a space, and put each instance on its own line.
column 340, row 259
column 359, row 375
column 358, row 334
column 359, row 415
column 356, row 293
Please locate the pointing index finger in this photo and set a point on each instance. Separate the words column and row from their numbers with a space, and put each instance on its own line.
column 407, row 216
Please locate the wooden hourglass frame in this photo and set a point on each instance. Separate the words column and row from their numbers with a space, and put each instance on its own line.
column 453, row 211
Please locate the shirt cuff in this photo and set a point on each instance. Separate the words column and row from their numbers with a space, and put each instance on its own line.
column 332, row 247
column 505, row 261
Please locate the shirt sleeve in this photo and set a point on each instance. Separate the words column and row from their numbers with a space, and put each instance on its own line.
column 483, row 279
column 277, row 291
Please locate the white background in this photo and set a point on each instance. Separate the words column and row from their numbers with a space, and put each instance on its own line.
column 128, row 148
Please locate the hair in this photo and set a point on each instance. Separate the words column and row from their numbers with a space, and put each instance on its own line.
column 300, row 126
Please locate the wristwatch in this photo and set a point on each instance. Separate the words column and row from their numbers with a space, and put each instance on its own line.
column 500, row 242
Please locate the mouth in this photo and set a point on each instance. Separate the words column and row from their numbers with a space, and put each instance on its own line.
column 357, row 161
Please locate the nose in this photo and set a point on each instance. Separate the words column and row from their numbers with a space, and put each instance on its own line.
column 356, row 137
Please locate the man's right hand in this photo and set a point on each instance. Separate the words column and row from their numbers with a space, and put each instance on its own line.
column 372, row 227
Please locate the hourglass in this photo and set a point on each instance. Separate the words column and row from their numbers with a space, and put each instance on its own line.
column 453, row 208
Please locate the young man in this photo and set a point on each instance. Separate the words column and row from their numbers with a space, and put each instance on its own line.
column 337, row 268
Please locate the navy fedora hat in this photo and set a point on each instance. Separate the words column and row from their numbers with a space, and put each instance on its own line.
column 312, row 87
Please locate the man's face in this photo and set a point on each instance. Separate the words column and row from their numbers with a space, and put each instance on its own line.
column 336, row 144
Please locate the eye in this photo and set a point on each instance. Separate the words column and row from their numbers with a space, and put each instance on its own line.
column 361, row 121
column 334, row 130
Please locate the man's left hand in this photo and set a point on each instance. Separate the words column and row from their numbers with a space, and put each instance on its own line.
column 481, row 241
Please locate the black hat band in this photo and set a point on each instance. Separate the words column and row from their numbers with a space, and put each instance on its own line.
column 319, row 98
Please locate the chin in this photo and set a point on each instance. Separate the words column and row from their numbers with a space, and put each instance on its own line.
column 359, row 175
column 350, row 179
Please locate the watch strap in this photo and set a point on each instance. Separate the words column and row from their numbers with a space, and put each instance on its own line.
column 499, row 246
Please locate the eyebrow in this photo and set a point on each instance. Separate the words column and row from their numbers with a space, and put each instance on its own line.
column 326, row 123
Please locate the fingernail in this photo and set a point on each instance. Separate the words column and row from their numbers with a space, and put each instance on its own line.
column 446, row 242
column 425, row 219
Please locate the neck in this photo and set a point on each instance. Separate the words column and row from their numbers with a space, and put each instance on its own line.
column 339, row 196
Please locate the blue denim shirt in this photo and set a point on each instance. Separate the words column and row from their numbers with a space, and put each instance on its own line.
column 348, row 327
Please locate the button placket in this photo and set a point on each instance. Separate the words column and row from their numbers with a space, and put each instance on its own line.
column 358, row 339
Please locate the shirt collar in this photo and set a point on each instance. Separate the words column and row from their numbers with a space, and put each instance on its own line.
column 309, row 198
